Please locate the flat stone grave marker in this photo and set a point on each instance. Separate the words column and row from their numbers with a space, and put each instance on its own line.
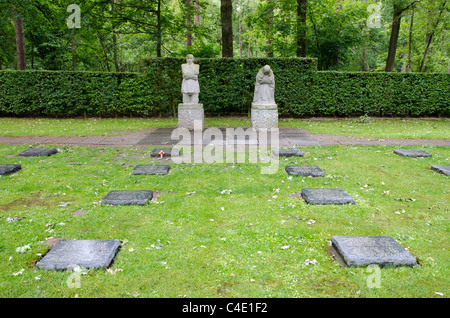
column 313, row 171
column 36, row 152
column 128, row 197
column 326, row 196
column 367, row 250
column 8, row 169
column 411, row 153
column 444, row 169
column 290, row 152
column 151, row 169
column 67, row 254
column 167, row 153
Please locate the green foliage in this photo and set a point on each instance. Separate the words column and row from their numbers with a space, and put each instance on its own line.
column 227, row 88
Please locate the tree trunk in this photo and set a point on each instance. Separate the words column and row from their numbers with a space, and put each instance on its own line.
column 404, row 56
column 158, row 30
column 73, row 50
column 395, row 30
column 430, row 36
column 188, row 24
column 240, row 39
column 364, row 67
column 20, row 42
column 115, row 54
column 269, row 50
column 226, row 14
column 301, row 28
column 410, row 41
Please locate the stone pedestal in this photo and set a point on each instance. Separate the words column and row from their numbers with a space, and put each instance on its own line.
column 188, row 113
column 264, row 116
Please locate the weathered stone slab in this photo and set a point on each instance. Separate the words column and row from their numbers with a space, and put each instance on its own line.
column 67, row 254
column 8, row 169
column 411, row 153
column 290, row 152
column 191, row 116
column 313, row 171
column 139, row 197
column 326, row 196
column 444, row 169
column 170, row 152
column 264, row 117
column 151, row 169
column 367, row 250
column 35, row 152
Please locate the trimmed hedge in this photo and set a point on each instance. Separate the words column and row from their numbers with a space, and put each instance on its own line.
column 227, row 87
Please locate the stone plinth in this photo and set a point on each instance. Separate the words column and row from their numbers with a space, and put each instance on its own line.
column 264, row 116
column 8, row 169
column 151, row 169
column 127, row 197
column 170, row 152
column 411, row 153
column 35, row 152
column 290, row 152
column 326, row 196
column 309, row 171
column 368, row 250
column 191, row 116
column 67, row 254
column 444, row 169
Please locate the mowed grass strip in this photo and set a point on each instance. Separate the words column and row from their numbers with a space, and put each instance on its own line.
column 223, row 229
column 358, row 127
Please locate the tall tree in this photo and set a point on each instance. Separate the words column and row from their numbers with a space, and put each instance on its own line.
column 226, row 16
column 20, row 41
column 431, row 34
column 301, row 27
column 399, row 6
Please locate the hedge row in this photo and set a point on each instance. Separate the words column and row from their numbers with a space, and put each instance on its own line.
column 227, row 87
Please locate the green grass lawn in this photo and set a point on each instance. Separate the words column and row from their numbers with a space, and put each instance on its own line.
column 360, row 127
column 252, row 241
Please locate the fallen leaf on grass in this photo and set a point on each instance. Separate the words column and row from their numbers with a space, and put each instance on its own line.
column 18, row 273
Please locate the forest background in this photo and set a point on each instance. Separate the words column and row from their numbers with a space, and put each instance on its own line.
column 118, row 35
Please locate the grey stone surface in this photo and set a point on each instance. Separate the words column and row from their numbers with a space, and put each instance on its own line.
column 291, row 152
column 67, row 254
column 8, row 169
column 264, row 117
column 411, row 153
column 127, row 197
column 32, row 152
column 444, row 169
column 191, row 116
column 151, row 169
column 167, row 152
column 313, row 171
column 367, row 250
column 326, row 196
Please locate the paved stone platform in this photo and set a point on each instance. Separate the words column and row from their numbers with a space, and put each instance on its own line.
column 288, row 137
column 228, row 137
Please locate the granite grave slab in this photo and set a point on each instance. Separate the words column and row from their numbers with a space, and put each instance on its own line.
column 36, row 152
column 127, row 197
column 444, row 169
column 151, row 169
column 166, row 153
column 412, row 153
column 290, row 152
column 313, row 171
column 67, row 254
column 9, row 168
column 367, row 250
column 326, row 196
